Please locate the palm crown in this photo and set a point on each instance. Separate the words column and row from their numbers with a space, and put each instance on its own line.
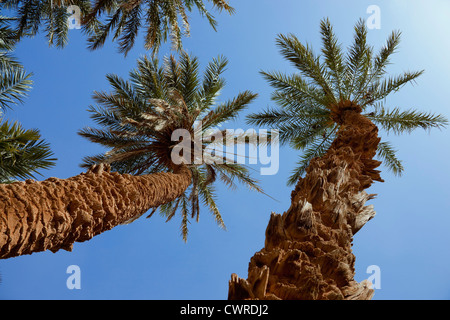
column 309, row 100
column 140, row 115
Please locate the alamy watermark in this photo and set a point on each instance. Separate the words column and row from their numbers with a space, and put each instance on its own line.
column 375, row 276
column 74, row 20
column 74, row 280
column 374, row 20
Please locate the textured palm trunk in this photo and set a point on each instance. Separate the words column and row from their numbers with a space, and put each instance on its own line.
column 307, row 252
column 55, row 213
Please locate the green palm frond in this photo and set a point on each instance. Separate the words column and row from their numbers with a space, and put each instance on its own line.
column 358, row 61
column 386, row 153
column 233, row 172
column 378, row 65
column 333, row 56
column 14, row 81
column 381, row 89
column 138, row 116
column 22, row 153
column 213, row 83
column 121, row 20
column 14, row 85
column 295, row 88
column 307, row 62
column 229, row 110
column 398, row 121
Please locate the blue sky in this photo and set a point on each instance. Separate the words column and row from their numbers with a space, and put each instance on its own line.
column 408, row 238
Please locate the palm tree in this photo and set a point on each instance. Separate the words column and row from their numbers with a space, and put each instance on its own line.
column 138, row 119
column 140, row 116
column 22, row 152
column 329, row 109
column 160, row 19
column 306, row 118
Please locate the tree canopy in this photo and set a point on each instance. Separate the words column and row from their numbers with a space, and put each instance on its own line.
column 137, row 120
column 309, row 98
column 121, row 20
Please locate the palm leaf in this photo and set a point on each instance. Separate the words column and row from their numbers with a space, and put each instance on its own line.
column 333, row 56
column 398, row 121
column 228, row 111
column 14, row 84
column 386, row 153
column 22, row 153
column 304, row 59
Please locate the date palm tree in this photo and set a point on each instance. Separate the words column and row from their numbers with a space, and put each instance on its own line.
column 329, row 109
column 139, row 118
column 307, row 116
column 138, row 171
column 22, row 152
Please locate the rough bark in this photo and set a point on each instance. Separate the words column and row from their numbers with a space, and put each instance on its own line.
column 55, row 213
column 308, row 249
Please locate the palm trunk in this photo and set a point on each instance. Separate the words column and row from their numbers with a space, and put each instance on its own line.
column 55, row 213
column 307, row 252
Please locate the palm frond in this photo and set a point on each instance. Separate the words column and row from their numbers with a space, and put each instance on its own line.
column 189, row 80
column 386, row 153
column 22, row 153
column 237, row 172
column 212, row 82
column 297, row 88
column 207, row 194
column 358, row 61
column 129, row 26
column 14, row 85
column 304, row 59
column 333, row 56
column 184, row 218
column 228, row 111
column 381, row 89
column 379, row 64
column 398, row 121
column 160, row 20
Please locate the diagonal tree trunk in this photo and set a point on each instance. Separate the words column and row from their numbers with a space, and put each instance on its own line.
column 55, row 213
column 307, row 252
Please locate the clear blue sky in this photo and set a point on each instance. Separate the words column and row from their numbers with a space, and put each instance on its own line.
column 408, row 239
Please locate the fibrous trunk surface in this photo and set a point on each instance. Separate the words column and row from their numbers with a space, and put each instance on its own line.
column 307, row 253
column 53, row 214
